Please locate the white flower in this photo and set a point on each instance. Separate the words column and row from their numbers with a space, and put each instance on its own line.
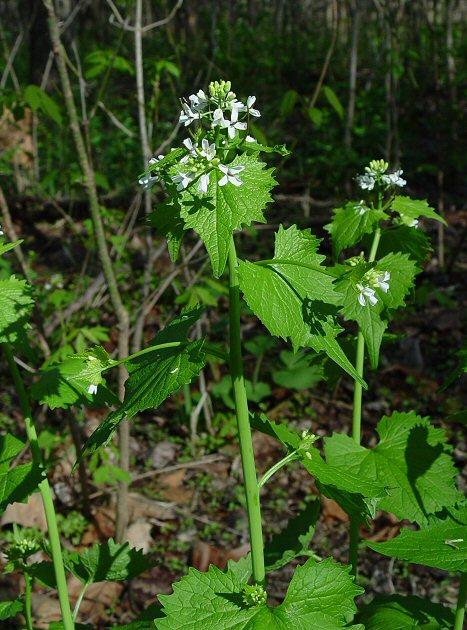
column 232, row 103
column 366, row 293
column 148, row 181
column 233, row 124
column 250, row 101
column 366, row 181
column 203, row 183
column 188, row 142
column 394, row 179
column 187, row 115
column 414, row 223
column 1, row 231
column 154, row 160
column 230, row 175
column 218, row 118
column 208, row 151
column 198, row 101
column 92, row 389
column 361, row 208
column 182, row 179
column 383, row 281
column 250, row 139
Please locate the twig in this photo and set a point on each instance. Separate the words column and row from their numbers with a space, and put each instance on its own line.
column 10, row 60
column 209, row 459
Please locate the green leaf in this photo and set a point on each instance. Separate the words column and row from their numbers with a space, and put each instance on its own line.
column 17, row 481
column 395, row 612
column 373, row 319
column 223, row 209
column 320, row 595
column 334, row 101
column 411, row 210
column 351, row 222
column 15, row 306
column 288, row 102
column 316, row 116
column 6, row 247
column 154, row 376
column 294, row 296
column 442, row 544
column 10, row 608
column 414, row 243
column 299, row 373
column 294, row 540
column 325, row 473
column 168, row 224
column 38, row 100
column 412, row 459
column 67, row 383
column 108, row 562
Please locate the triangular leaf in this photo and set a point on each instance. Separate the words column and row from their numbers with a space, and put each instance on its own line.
column 404, row 613
column 412, row 459
column 155, row 375
column 294, row 296
column 223, row 209
column 351, row 222
column 19, row 481
column 15, row 305
column 442, row 544
column 320, row 595
column 108, row 562
column 410, row 210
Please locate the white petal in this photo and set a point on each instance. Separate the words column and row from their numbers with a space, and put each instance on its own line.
column 203, row 183
column 223, row 168
column 361, row 299
column 233, row 170
column 250, row 101
column 92, row 389
column 373, row 299
column 224, row 181
column 234, row 115
column 235, row 181
column 384, row 286
column 188, row 142
column 231, row 131
column 255, row 112
column 250, row 139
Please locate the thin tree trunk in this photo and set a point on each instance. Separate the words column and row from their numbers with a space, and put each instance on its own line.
column 103, row 252
column 355, row 15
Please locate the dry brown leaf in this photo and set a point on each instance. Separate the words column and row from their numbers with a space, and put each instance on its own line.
column 138, row 535
column 333, row 511
column 204, row 555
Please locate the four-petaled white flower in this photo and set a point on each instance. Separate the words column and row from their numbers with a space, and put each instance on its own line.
column 366, row 293
column 147, row 181
column 187, row 115
column 366, row 181
column 182, row 179
column 250, row 101
column 233, row 124
column 198, row 101
column 92, row 389
column 361, row 208
column 218, row 118
column 383, row 281
column 154, row 160
column 188, row 142
column 208, row 151
column 394, row 179
column 230, row 175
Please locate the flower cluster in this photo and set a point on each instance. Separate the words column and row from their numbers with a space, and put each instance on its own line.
column 254, row 595
column 221, row 118
column 372, row 280
column 376, row 175
column 306, row 443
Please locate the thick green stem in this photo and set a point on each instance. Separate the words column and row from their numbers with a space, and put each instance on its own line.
column 27, row 601
column 461, row 601
column 45, row 491
column 357, row 414
column 243, row 422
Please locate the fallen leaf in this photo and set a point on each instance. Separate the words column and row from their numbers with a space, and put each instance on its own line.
column 30, row 514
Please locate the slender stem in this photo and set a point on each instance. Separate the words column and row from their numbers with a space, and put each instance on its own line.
column 45, row 491
column 461, row 601
column 284, row 261
column 79, row 600
column 357, row 413
column 250, row 480
column 280, row 464
column 27, row 601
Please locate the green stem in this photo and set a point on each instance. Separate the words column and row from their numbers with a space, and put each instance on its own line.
column 284, row 261
column 45, row 491
column 79, row 600
column 357, row 414
column 250, row 480
column 461, row 601
column 280, row 464
column 27, row 601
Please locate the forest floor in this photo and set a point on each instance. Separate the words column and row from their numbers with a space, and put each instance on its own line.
column 186, row 502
